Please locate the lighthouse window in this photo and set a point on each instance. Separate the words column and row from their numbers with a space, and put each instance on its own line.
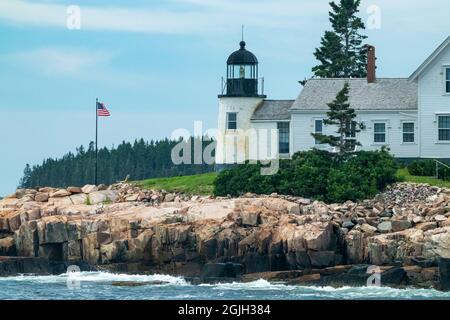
column 243, row 72
column 283, row 137
column 231, row 120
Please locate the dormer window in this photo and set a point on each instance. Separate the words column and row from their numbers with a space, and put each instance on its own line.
column 447, row 80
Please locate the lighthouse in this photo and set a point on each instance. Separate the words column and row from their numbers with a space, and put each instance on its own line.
column 239, row 98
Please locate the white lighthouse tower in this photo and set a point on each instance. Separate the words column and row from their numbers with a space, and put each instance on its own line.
column 238, row 101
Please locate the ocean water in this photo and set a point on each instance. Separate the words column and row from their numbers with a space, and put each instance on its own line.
column 99, row 286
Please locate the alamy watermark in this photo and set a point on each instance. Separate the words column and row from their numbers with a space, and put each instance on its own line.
column 229, row 147
column 73, row 282
column 374, row 17
column 375, row 276
column 73, row 21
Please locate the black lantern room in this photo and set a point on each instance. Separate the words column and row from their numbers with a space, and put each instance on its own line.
column 242, row 74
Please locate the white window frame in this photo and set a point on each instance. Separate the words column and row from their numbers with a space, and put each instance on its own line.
column 355, row 135
column 413, row 132
column 446, row 80
column 317, row 143
column 386, row 137
column 438, row 128
column 288, row 137
column 227, row 121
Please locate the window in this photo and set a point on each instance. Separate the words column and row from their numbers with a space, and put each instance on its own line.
column 283, row 137
column 408, row 132
column 242, row 72
column 447, row 80
column 318, row 128
column 444, row 128
column 351, row 135
column 379, row 132
column 231, row 120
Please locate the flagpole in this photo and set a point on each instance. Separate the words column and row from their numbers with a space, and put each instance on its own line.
column 96, row 140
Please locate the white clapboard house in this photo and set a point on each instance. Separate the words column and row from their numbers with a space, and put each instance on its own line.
column 411, row 116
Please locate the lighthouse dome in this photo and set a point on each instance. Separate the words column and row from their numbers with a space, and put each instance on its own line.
column 242, row 57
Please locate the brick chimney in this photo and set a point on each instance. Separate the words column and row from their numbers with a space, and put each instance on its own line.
column 371, row 64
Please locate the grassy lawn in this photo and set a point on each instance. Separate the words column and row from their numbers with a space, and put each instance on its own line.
column 404, row 175
column 201, row 184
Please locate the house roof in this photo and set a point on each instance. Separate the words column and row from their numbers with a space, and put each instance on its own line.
column 273, row 110
column 430, row 59
column 384, row 94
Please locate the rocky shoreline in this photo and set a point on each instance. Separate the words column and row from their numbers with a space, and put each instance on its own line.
column 405, row 231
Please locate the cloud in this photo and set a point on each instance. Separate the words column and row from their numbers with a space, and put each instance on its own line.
column 195, row 17
column 57, row 61
column 78, row 63
column 24, row 12
column 93, row 18
column 280, row 8
column 211, row 16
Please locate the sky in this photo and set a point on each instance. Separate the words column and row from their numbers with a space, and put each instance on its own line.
column 157, row 64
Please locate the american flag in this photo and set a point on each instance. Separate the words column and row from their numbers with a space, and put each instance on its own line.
column 102, row 111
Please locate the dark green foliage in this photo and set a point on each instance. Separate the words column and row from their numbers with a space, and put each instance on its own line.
column 444, row 173
column 361, row 176
column 427, row 168
column 140, row 160
column 27, row 174
column 424, row 168
column 242, row 178
column 330, row 55
column 342, row 53
column 315, row 174
column 342, row 116
column 306, row 174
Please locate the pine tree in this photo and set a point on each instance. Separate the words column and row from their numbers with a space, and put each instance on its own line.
column 330, row 55
column 342, row 116
column 342, row 53
column 26, row 179
column 140, row 160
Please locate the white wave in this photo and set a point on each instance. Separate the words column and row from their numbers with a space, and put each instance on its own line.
column 346, row 292
column 375, row 293
column 260, row 284
column 258, row 287
column 97, row 277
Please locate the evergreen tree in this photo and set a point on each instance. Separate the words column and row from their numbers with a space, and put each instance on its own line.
column 342, row 116
column 140, row 160
column 26, row 176
column 330, row 55
column 342, row 53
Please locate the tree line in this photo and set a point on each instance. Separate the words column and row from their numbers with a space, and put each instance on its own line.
column 137, row 161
